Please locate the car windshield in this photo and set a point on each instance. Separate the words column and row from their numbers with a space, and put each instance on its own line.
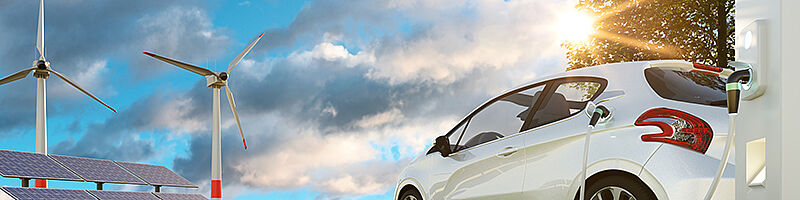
column 690, row 87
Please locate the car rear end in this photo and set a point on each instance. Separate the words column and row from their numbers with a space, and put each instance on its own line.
column 690, row 121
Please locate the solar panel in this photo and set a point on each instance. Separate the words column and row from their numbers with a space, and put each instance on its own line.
column 96, row 170
column 122, row 195
column 18, row 164
column 175, row 196
column 42, row 193
column 156, row 175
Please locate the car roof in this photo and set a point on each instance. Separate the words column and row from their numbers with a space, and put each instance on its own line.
column 596, row 70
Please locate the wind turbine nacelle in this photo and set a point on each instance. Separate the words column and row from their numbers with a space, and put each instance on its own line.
column 214, row 82
column 41, row 69
column 41, row 64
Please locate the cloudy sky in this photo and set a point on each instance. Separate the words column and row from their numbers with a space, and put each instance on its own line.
column 335, row 100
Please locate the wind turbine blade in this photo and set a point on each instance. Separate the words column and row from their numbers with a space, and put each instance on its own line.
column 186, row 66
column 16, row 76
column 235, row 113
column 241, row 55
column 79, row 88
column 40, row 32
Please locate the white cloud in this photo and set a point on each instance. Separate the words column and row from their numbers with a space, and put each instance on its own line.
column 369, row 178
column 330, row 52
column 393, row 115
column 174, row 114
column 491, row 35
column 329, row 110
column 91, row 76
column 185, row 34
column 322, row 52
column 449, row 40
column 293, row 166
column 251, row 68
column 347, row 184
column 342, row 163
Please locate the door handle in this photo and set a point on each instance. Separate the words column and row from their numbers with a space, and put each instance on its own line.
column 506, row 152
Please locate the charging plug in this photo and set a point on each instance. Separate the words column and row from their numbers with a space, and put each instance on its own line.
column 733, row 89
column 599, row 112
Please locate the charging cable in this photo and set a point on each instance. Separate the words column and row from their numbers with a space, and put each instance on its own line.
column 732, row 88
column 599, row 112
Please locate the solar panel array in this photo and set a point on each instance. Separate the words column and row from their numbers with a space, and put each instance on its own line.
column 156, row 175
column 25, row 165
column 40, row 193
column 33, row 165
column 17, row 164
column 122, row 195
column 19, row 193
column 174, row 196
column 96, row 170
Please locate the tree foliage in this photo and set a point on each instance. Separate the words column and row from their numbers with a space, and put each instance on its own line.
column 636, row 30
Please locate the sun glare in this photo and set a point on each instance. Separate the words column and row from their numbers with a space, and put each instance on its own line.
column 576, row 26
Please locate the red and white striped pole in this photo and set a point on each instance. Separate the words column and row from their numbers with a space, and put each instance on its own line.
column 41, row 97
column 41, row 123
column 216, row 153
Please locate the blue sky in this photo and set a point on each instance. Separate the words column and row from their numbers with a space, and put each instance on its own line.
column 336, row 98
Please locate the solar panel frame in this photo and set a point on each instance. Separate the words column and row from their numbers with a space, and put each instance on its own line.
column 122, row 195
column 156, row 175
column 31, row 164
column 21, row 193
column 98, row 170
column 179, row 196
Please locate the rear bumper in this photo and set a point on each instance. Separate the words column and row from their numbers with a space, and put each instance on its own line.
column 686, row 174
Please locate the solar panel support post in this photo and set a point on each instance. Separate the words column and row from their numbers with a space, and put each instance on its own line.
column 158, row 188
column 99, row 186
column 25, row 182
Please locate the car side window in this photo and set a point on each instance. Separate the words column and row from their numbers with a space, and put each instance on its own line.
column 523, row 109
column 568, row 98
column 503, row 117
column 578, row 94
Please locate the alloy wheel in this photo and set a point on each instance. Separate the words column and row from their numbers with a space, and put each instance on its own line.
column 612, row 193
column 410, row 197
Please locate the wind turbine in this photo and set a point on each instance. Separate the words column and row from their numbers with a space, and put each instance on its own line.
column 216, row 81
column 41, row 71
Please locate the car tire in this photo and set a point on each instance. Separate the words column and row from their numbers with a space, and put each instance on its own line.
column 624, row 186
column 411, row 194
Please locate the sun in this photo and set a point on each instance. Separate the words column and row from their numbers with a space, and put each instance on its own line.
column 575, row 26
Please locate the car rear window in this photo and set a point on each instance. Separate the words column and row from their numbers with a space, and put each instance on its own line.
column 691, row 87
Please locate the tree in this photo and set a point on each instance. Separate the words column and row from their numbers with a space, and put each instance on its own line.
column 636, row 30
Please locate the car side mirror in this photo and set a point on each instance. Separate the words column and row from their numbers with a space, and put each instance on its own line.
column 442, row 145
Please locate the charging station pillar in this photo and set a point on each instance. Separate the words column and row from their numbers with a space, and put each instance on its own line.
column 768, row 126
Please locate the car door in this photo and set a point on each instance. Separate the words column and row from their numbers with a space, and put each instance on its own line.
column 553, row 137
column 486, row 162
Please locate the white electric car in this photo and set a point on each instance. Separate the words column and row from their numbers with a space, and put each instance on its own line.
column 663, row 139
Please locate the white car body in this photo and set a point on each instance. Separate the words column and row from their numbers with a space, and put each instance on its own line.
column 545, row 161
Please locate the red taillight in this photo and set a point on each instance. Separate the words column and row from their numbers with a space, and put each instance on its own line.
column 678, row 128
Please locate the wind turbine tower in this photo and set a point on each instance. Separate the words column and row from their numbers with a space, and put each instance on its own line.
column 41, row 71
column 216, row 81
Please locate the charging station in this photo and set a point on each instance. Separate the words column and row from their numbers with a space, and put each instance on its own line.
column 767, row 139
